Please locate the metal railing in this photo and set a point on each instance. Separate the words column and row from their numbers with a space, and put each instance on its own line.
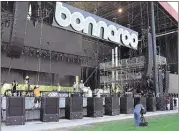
column 131, row 63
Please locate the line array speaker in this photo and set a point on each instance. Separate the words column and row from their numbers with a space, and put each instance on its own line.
column 126, row 105
column 161, row 103
column 15, row 111
column 151, row 104
column 74, row 107
column 49, row 109
column 171, row 103
column 112, row 106
column 18, row 29
column 160, row 82
column 95, row 107
column 148, row 57
column 166, row 82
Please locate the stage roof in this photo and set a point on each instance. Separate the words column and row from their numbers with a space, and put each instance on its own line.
column 135, row 15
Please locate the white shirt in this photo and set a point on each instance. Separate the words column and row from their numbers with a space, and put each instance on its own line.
column 81, row 86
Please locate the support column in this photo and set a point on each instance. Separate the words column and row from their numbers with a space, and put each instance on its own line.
column 113, row 64
column 116, row 53
column 154, row 51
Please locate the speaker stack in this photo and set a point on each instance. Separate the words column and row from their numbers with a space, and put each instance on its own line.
column 171, row 103
column 161, row 82
column 74, row 107
column 49, row 109
column 151, row 104
column 148, row 57
column 112, row 106
column 142, row 101
column 15, row 111
column 126, row 105
column 18, row 29
column 166, row 82
column 95, row 107
column 161, row 103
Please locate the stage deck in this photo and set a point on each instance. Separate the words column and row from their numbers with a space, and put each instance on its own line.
column 64, row 123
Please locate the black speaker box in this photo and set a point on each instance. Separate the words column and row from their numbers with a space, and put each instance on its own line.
column 74, row 107
column 49, row 111
column 95, row 107
column 18, row 29
column 142, row 101
column 151, row 104
column 112, row 106
column 15, row 111
column 161, row 103
column 126, row 105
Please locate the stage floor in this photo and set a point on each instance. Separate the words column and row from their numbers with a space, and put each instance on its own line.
column 64, row 123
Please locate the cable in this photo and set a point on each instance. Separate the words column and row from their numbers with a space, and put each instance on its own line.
column 41, row 33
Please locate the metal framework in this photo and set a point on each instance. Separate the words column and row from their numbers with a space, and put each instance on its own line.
column 134, row 15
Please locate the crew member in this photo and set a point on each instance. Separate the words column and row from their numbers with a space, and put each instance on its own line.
column 137, row 112
column 37, row 96
column 81, row 85
column 74, row 87
column 27, row 81
column 14, row 87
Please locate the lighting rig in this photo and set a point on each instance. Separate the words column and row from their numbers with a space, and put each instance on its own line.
column 58, row 56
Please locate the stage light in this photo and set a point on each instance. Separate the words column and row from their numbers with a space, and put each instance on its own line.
column 120, row 10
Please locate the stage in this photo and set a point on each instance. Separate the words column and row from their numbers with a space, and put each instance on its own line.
column 63, row 123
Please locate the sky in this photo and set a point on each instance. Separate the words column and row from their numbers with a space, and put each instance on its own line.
column 174, row 5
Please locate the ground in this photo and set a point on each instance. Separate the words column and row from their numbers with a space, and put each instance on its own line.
column 162, row 123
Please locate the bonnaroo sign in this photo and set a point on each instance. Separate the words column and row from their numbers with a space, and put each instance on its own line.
column 65, row 17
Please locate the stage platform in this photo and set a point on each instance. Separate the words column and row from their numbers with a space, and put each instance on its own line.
column 64, row 123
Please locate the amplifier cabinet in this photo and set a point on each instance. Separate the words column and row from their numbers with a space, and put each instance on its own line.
column 112, row 106
column 74, row 107
column 95, row 107
column 15, row 111
column 151, row 104
column 49, row 111
column 126, row 105
column 142, row 101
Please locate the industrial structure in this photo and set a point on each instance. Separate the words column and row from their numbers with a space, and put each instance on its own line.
column 53, row 55
column 122, row 51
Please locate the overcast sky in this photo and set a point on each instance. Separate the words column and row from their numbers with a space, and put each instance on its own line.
column 174, row 5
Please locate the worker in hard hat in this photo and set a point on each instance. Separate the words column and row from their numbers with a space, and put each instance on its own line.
column 14, row 87
column 37, row 96
column 27, row 81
